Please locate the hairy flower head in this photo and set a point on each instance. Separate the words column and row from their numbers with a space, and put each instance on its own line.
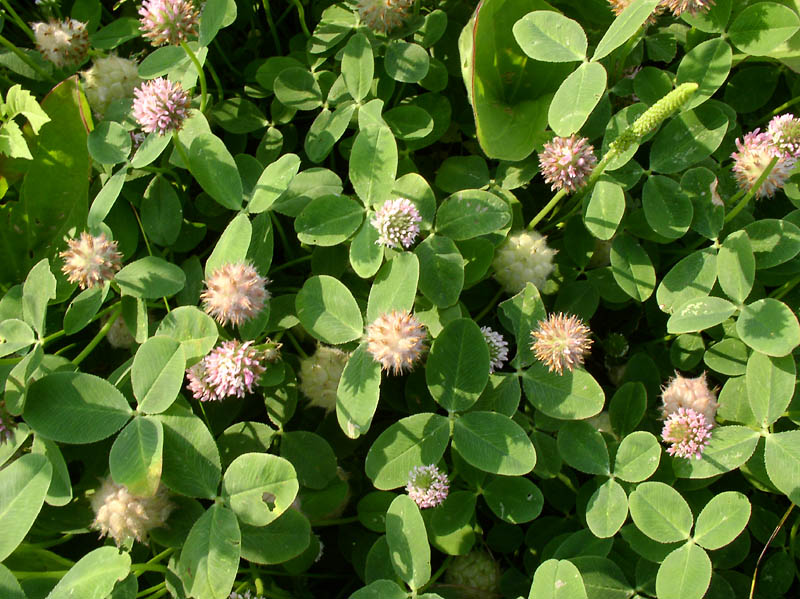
column 693, row 7
column 320, row 374
column 234, row 293
column 123, row 516
column 90, row 261
column 427, row 486
column 498, row 348
column 681, row 392
column 168, row 21
column 561, row 341
column 756, row 151
column 523, row 258
column 477, row 574
column 384, row 15
column 688, row 433
column 396, row 340
column 784, row 130
column 62, row 42
column 160, row 105
column 566, row 162
column 110, row 78
column 229, row 370
column 397, row 222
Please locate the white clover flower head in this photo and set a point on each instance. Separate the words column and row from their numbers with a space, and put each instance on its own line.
column 688, row 433
column 566, row 162
column 756, row 151
column 427, row 486
column 523, row 258
column 785, row 133
column 681, row 392
column 397, row 222
column 90, row 261
column 396, row 341
column 477, row 573
column 693, row 7
column 384, row 15
column 498, row 348
column 168, row 21
column 159, row 105
column 62, row 42
column 231, row 369
column 123, row 516
column 320, row 374
column 110, row 78
column 235, row 293
column 561, row 341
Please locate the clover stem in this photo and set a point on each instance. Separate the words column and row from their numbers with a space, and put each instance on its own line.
column 26, row 59
column 97, row 338
column 22, row 24
column 766, row 546
column 752, row 191
column 200, row 74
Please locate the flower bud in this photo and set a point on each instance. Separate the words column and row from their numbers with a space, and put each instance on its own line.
column 523, row 258
column 111, row 78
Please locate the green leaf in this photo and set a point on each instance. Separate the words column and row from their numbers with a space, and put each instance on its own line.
column 94, row 575
column 736, row 266
column 59, row 493
column 627, row 407
column 259, row 487
column 773, row 241
column 782, row 460
column 684, row 574
column 73, row 407
column 550, row 36
column 109, row 143
column 576, row 98
column 660, row 512
column 106, row 198
column 582, row 446
column 574, row 395
column 213, row 167
column 631, row 267
column 298, row 89
column 729, row 448
column 607, row 509
column 624, row 26
column 441, row 275
column 450, row 528
column 15, row 335
column 216, row 15
column 689, row 138
column 328, row 311
column 557, row 579
column 722, row 520
column 162, row 212
column 470, row 213
column 273, row 182
column 115, row 33
column 210, row 558
column 191, row 458
column 699, row 314
column 23, row 487
column 763, row 26
column 279, row 541
column 327, row 128
column 493, row 443
column 150, row 277
column 237, row 115
column 691, row 278
column 21, row 101
column 409, row 122
column 637, row 457
column 150, row 149
column 604, row 210
column 358, row 66
column 770, row 386
column 157, row 373
column 408, row 542
column 39, row 288
column 358, row 393
column 196, row 331
column 728, row 357
column 395, row 286
column 407, row 63
column 521, row 315
column 380, row 589
column 366, row 254
column 12, row 141
column 667, row 208
column 328, row 220
column 708, row 65
column 9, row 587
column 515, row 500
column 161, row 61
column 457, row 368
column 312, row 457
column 417, row 440
column 136, row 456
column 769, row 326
column 373, row 164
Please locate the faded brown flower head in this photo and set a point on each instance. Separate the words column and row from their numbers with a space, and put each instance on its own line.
column 320, row 374
column 235, row 293
column 123, row 516
column 561, row 341
column 62, row 42
column 694, row 394
column 90, row 260
column 396, row 340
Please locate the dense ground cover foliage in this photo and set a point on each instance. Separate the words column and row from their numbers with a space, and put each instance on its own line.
column 387, row 299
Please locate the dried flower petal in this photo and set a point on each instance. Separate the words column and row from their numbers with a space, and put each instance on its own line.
column 688, row 432
column 168, row 21
column 566, row 162
column 561, row 341
column 62, row 42
column 693, row 7
column 91, row 261
column 384, row 15
column 397, row 222
column 396, row 340
column 235, row 293
column 427, row 486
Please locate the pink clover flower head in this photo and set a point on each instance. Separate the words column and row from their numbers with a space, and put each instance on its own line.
column 688, row 432
column 427, row 486
column 785, row 133
column 566, row 162
column 90, row 261
column 160, row 105
column 498, row 348
column 229, row 370
column 756, row 151
column 62, row 42
column 384, row 15
column 168, row 21
column 396, row 341
column 7, row 425
column 397, row 222
column 693, row 7
column 561, row 341
column 235, row 293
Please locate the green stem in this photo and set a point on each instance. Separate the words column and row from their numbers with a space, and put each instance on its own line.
column 180, row 149
column 301, row 14
column 217, row 82
column 161, row 556
column 442, row 569
column 22, row 24
column 97, row 338
column 290, row 263
column 137, row 569
column 200, row 74
column 26, row 59
column 334, row 522
column 780, row 109
column 490, row 306
column 752, row 191
column 152, row 589
column 781, row 291
column 763, row 551
column 53, row 543
column 272, row 29
column 547, row 208
column 296, row 344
